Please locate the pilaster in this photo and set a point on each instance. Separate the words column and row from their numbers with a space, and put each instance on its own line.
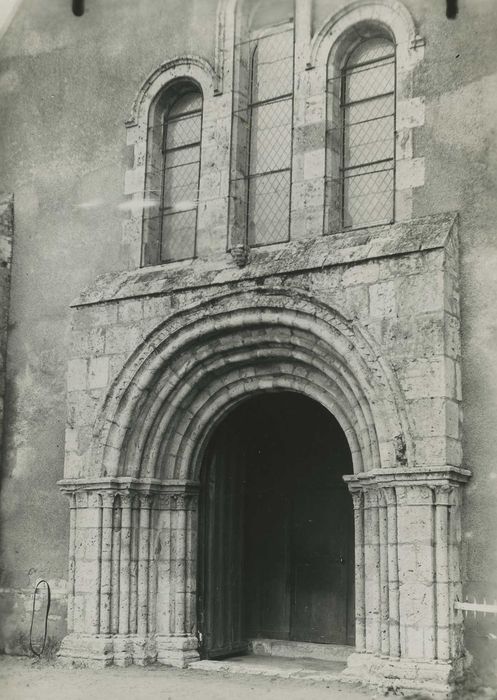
column 407, row 635
column 131, row 545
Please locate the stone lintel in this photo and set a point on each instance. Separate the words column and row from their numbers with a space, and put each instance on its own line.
column 424, row 234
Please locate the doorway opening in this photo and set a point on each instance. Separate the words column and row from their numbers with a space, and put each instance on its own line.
column 276, row 528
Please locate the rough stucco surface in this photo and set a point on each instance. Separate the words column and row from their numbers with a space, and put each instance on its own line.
column 66, row 86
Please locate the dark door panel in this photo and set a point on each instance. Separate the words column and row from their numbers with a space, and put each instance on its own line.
column 276, row 547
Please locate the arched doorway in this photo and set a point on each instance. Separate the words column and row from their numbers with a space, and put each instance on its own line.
column 275, row 528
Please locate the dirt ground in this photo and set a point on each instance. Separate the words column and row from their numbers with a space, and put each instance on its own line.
column 23, row 679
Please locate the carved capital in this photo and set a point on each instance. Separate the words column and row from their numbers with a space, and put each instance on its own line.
column 357, row 498
column 107, row 498
column 442, row 494
column 389, row 495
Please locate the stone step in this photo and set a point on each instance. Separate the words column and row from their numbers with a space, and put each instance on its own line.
column 300, row 650
column 277, row 667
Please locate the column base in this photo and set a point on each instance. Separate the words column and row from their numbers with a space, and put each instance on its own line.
column 95, row 651
column 87, row 651
column 435, row 678
column 177, row 651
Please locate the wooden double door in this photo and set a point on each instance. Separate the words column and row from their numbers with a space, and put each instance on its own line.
column 276, row 528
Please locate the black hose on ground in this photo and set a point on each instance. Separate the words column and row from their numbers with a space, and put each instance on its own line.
column 39, row 653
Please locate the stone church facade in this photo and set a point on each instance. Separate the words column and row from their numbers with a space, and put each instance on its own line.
column 296, row 221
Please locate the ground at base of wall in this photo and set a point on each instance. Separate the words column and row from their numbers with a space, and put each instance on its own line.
column 24, row 678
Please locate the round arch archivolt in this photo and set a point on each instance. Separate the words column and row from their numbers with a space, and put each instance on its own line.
column 200, row 363
column 134, row 516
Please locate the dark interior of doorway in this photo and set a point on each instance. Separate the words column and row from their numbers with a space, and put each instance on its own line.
column 276, row 528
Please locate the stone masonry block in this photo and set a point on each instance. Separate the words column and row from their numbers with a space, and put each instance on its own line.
column 98, row 372
column 133, row 180
column 410, row 113
column 77, row 374
column 382, row 300
column 420, row 293
column 422, row 377
column 122, row 338
column 361, row 274
column 410, row 173
column 130, row 310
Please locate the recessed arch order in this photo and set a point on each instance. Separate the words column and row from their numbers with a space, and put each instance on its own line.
column 199, row 364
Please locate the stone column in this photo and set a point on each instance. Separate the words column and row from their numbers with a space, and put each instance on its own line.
column 372, row 571
column 441, row 499
column 360, row 610
column 109, row 572
column 416, row 570
column 393, row 572
column 384, row 574
column 143, row 565
column 176, row 584
column 106, row 549
column 72, row 562
column 411, row 567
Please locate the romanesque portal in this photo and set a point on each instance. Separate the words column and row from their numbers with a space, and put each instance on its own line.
column 172, row 429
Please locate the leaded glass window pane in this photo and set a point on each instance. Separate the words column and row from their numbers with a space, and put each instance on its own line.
column 178, row 235
column 268, row 208
column 368, row 123
column 271, row 114
column 271, row 143
column 182, row 134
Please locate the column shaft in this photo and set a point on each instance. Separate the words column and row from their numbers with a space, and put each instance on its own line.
column 393, row 574
column 106, row 562
column 360, row 609
column 72, row 562
column 384, row 602
column 442, row 576
column 143, row 564
column 372, row 572
column 124, row 566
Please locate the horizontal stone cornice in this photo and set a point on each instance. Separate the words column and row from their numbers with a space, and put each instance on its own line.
column 424, row 234
column 422, row 476
column 126, row 484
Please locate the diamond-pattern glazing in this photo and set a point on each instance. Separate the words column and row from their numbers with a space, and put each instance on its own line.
column 181, row 186
column 370, row 50
column 368, row 110
column 183, row 131
column 272, row 67
column 271, row 142
column 191, row 102
column 368, row 198
column 270, row 145
column 178, row 235
column 368, row 141
column 370, row 81
column 269, row 201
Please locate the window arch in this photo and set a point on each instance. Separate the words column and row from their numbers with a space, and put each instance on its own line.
column 173, row 175
column 361, row 133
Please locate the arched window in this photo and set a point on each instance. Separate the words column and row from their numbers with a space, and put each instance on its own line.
column 367, row 106
column 271, row 111
column 181, row 170
column 173, row 172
